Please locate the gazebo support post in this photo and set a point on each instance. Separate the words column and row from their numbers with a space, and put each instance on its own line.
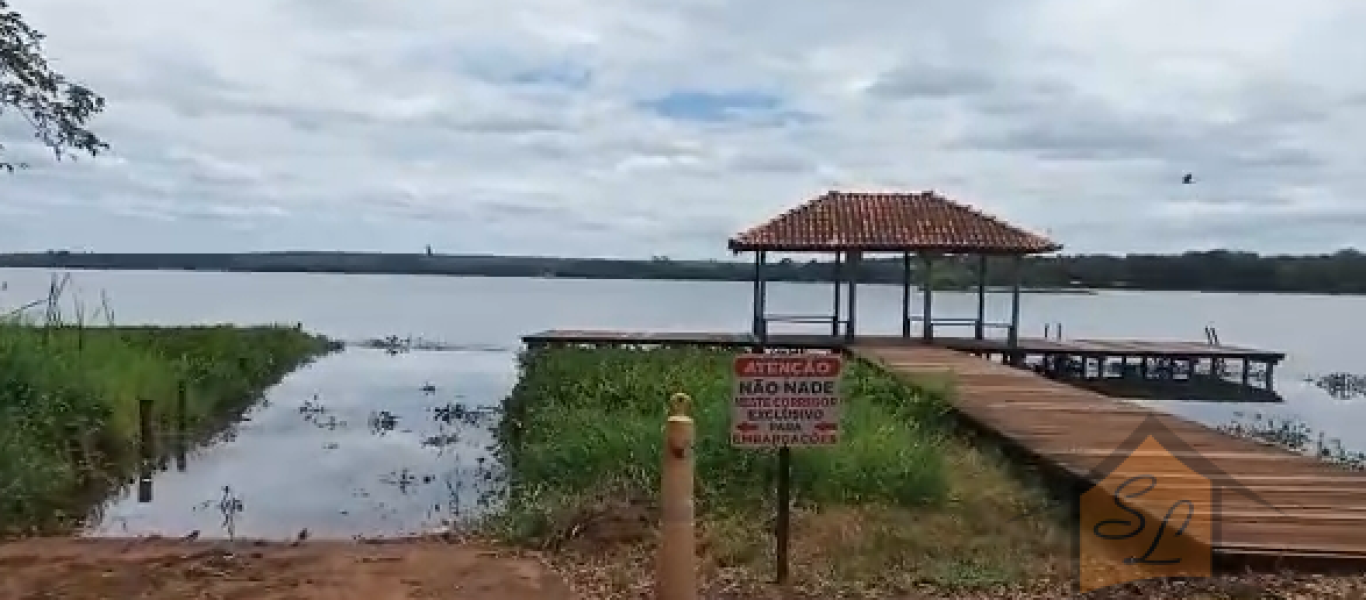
column 979, row 328
column 855, row 259
column 838, row 272
column 906, row 295
column 1017, row 273
column 927, row 295
column 759, row 327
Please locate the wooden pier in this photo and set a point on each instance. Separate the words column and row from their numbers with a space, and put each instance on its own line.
column 1315, row 516
column 1080, row 360
column 1300, row 512
column 1312, row 517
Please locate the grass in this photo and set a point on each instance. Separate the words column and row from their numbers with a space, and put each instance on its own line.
column 69, row 399
column 903, row 501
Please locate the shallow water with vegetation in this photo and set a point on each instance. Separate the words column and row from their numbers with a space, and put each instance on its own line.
column 75, row 400
column 359, row 444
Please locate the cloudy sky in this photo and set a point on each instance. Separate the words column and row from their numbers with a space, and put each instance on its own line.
column 643, row 127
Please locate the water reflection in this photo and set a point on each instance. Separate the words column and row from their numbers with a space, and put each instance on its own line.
column 423, row 461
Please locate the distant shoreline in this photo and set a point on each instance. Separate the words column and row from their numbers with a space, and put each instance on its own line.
column 319, row 271
column 1216, row 271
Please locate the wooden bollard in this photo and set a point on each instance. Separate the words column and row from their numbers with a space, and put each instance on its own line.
column 677, row 578
column 182, row 435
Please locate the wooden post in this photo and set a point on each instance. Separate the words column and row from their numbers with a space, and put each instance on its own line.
column 1013, row 341
column 979, row 328
column 677, row 579
column 146, row 450
column 855, row 259
column 927, row 297
column 906, row 295
column 839, row 282
column 759, row 326
column 182, row 435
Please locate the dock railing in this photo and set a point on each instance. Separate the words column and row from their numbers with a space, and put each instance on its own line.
column 966, row 322
column 837, row 325
column 1052, row 331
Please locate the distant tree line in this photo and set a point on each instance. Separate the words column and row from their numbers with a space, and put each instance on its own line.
column 1342, row 272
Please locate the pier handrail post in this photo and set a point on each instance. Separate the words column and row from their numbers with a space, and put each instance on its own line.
column 677, row 577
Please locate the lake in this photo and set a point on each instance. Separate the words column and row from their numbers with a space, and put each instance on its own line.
column 336, row 473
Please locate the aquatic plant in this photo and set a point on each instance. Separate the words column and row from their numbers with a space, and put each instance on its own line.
column 70, row 395
column 1295, row 435
column 1341, row 385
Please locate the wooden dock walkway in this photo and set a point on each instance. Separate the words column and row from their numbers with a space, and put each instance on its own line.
column 1026, row 345
column 1319, row 513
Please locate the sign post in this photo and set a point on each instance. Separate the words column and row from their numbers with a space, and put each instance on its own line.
column 784, row 401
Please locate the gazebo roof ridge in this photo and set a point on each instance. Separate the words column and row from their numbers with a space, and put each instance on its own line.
column 885, row 221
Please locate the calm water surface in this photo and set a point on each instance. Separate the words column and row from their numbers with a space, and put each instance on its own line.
column 346, row 477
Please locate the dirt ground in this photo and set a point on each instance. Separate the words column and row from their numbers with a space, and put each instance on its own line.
column 161, row 569
column 158, row 569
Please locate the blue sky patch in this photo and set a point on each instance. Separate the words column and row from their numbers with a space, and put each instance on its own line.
column 693, row 105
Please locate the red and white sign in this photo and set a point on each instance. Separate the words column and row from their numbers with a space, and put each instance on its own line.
column 786, row 400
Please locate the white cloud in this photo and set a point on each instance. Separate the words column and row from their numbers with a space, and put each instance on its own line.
column 359, row 124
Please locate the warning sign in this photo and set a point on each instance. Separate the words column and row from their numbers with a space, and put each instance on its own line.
column 786, row 400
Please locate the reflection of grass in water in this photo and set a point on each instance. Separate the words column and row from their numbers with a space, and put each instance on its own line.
column 1297, row 436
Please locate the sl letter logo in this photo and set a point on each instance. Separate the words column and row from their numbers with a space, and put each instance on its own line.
column 1151, row 516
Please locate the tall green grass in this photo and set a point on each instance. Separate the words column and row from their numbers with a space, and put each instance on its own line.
column 69, row 401
column 583, row 422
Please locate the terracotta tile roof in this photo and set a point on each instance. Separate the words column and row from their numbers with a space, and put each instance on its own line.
column 889, row 222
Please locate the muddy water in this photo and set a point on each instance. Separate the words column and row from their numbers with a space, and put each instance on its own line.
column 360, row 443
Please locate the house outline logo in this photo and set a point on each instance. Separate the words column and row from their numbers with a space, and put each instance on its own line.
column 1119, row 539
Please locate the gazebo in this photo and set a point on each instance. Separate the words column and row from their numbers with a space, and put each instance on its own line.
column 926, row 224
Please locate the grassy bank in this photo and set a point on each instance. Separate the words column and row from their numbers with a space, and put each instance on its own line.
column 902, row 502
column 69, row 402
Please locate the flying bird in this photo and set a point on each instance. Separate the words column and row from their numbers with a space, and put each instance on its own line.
column 1188, row 179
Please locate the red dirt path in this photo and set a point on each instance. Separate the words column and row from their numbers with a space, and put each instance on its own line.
column 153, row 569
